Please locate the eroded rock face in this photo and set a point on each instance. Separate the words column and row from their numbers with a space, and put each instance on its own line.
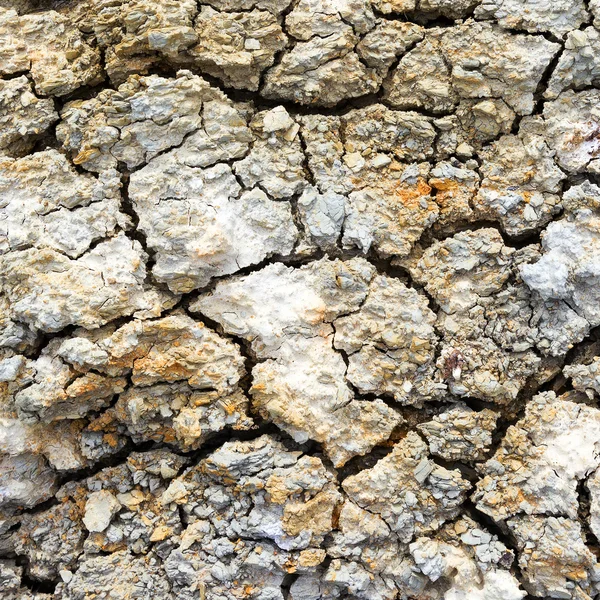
column 299, row 299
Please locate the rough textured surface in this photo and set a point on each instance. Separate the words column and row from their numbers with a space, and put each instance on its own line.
column 539, row 453
column 23, row 116
column 48, row 47
column 47, row 204
column 535, row 16
column 406, row 483
column 299, row 299
column 460, row 434
column 473, row 60
column 520, row 184
column 295, row 345
column 391, row 343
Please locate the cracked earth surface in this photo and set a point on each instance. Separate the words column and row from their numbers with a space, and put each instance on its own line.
column 299, row 299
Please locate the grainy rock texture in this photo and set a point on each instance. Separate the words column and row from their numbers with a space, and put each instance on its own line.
column 299, row 299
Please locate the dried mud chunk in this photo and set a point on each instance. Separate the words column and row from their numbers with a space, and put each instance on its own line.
column 323, row 17
column 578, row 65
column 452, row 9
column 473, row 276
column 593, row 486
column 174, row 348
column 472, row 60
column 120, row 506
column 322, row 217
column 135, row 26
column 455, row 188
column 58, row 392
column 512, row 319
column 52, row 540
column 554, row 559
column 45, row 203
column 60, row 443
column 520, row 184
column 481, row 369
column 275, row 7
column 473, row 124
column 143, row 117
column 236, row 47
column 394, row 6
column 535, row 16
column 407, row 136
column 218, row 187
column 297, row 340
column 462, row 268
column 276, row 161
column 179, row 415
column 571, row 129
column 487, row 62
column 100, row 508
column 391, row 343
column 468, row 562
column 55, row 291
column 540, row 461
column 322, row 137
column 594, row 6
column 359, row 150
column 10, row 576
column 469, row 276
column 559, row 326
column 388, row 40
column 422, row 80
column 461, row 560
column 406, row 483
column 119, row 573
column 201, row 226
column 365, row 555
column 278, row 302
column 259, row 488
column 325, row 410
column 50, row 48
column 135, row 33
column 254, row 568
column 23, row 116
column 586, row 378
column 566, row 271
column 460, row 433
column 13, row 334
column 321, row 72
column 391, row 209
column 223, row 136
column 25, row 480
